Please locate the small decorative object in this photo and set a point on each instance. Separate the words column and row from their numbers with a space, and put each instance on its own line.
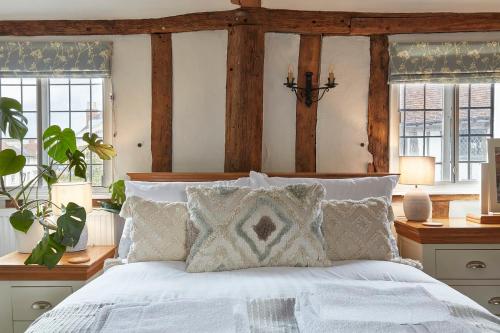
column 432, row 224
column 310, row 94
column 78, row 193
column 417, row 170
column 33, row 220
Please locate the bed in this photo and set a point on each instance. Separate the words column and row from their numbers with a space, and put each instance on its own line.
column 347, row 296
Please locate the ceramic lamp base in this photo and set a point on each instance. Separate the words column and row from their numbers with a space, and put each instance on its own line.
column 82, row 242
column 417, row 205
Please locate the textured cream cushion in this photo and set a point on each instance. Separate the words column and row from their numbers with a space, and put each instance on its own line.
column 358, row 229
column 158, row 231
column 238, row 227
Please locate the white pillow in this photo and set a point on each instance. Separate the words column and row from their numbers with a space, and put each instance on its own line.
column 336, row 189
column 163, row 192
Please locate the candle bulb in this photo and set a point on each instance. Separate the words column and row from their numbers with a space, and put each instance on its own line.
column 331, row 75
column 290, row 73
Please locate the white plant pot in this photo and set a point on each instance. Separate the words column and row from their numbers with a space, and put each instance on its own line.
column 26, row 242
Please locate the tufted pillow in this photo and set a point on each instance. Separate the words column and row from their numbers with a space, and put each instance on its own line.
column 358, row 229
column 159, row 229
column 238, row 227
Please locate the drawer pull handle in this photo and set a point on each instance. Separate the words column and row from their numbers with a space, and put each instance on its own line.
column 475, row 265
column 41, row 305
column 494, row 301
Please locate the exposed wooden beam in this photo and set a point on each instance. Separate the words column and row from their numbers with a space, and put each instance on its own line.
column 244, row 99
column 378, row 104
column 161, row 113
column 306, row 117
column 373, row 24
column 247, row 3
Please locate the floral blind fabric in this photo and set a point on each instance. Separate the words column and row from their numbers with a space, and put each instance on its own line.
column 52, row 59
column 446, row 62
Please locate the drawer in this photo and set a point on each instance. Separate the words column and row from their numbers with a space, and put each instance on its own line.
column 21, row 326
column 24, row 300
column 484, row 295
column 467, row 264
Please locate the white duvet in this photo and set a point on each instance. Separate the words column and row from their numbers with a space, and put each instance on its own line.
column 350, row 296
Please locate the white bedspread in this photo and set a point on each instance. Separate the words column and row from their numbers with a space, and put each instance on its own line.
column 354, row 296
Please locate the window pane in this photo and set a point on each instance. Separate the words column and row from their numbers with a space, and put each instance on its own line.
column 97, row 174
column 414, row 96
column 414, row 123
column 478, row 148
column 59, row 118
column 463, row 171
column 475, row 171
column 30, row 151
column 463, row 95
column 58, row 168
column 480, row 95
column 59, row 81
column 433, row 147
column 463, row 121
column 438, row 173
column 29, row 98
column 401, row 146
column 10, row 80
column 97, row 98
column 97, row 123
column 80, row 81
column 29, row 80
column 13, row 180
column 80, row 98
column 12, row 92
column 434, row 123
column 463, row 148
column 414, row 147
column 480, row 121
column 32, row 124
column 29, row 172
column 434, row 96
column 80, row 123
column 59, row 98
column 12, row 144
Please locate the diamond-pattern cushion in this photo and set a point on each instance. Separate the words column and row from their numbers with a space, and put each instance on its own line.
column 240, row 227
column 358, row 229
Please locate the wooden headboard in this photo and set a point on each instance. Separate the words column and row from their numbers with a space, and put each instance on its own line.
column 213, row 176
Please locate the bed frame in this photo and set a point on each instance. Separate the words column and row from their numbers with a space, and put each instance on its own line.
column 213, row 176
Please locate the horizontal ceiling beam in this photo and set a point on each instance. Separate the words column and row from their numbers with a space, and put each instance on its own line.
column 271, row 20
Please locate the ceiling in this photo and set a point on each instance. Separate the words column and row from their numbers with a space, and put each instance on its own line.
column 113, row 9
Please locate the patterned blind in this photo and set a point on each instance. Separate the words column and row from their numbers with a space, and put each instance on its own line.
column 445, row 62
column 53, row 59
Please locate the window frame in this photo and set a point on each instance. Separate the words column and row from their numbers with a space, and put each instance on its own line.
column 43, row 121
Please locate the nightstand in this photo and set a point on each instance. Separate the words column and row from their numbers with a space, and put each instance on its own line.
column 29, row 291
column 462, row 254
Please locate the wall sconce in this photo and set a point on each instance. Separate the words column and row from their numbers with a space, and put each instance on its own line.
column 306, row 94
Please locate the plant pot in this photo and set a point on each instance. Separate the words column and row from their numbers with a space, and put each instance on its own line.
column 26, row 242
column 82, row 242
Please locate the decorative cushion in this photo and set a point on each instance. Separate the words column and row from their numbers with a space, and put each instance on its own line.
column 358, row 229
column 158, row 231
column 336, row 189
column 242, row 228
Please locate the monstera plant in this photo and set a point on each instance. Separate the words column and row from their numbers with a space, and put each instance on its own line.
column 61, row 147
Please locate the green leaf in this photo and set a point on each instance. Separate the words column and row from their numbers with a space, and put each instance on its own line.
column 70, row 224
column 47, row 252
column 117, row 190
column 10, row 162
column 48, row 174
column 103, row 150
column 22, row 220
column 58, row 142
column 12, row 119
column 77, row 162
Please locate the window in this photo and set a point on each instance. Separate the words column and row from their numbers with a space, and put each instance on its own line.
column 449, row 122
column 76, row 103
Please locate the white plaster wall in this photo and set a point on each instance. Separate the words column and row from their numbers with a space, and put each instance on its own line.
column 278, row 140
column 342, row 113
column 199, row 100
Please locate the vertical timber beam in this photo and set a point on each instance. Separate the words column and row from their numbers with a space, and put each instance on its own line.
column 244, row 98
column 306, row 117
column 378, row 104
column 161, row 114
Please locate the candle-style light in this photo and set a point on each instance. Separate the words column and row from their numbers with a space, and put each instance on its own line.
column 290, row 77
column 331, row 75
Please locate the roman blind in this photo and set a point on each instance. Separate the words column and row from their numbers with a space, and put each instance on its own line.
column 52, row 59
column 445, row 62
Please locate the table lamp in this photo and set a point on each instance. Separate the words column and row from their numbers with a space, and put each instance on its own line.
column 79, row 193
column 417, row 170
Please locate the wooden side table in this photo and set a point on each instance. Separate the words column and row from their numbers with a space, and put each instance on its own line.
column 462, row 254
column 29, row 291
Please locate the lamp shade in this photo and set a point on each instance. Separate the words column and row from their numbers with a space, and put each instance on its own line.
column 79, row 193
column 417, row 170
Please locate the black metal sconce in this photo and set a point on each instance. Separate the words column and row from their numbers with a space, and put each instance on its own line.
column 306, row 94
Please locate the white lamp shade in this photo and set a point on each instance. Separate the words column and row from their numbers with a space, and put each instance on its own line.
column 417, row 170
column 79, row 193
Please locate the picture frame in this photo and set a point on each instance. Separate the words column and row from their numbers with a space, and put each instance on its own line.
column 494, row 174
